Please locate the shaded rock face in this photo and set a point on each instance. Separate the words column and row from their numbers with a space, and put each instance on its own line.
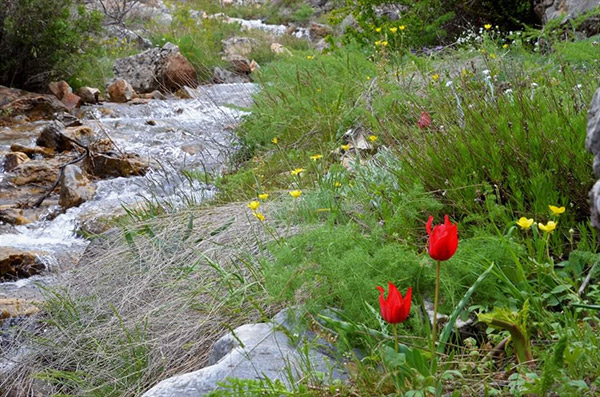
column 13, row 159
column 224, row 76
column 566, row 9
column 15, row 102
column 75, row 187
column 16, row 264
column 89, row 95
column 162, row 69
column 253, row 351
column 13, row 216
column 592, row 144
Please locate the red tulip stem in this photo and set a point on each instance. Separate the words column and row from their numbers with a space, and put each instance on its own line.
column 396, row 337
column 435, row 306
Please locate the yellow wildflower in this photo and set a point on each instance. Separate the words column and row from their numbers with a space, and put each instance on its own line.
column 337, row 184
column 259, row 216
column 401, row 27
column 368, row 77
column 435, row 77
column 556, row 210
column 505, row 46
column 384, row 43
column 253, row 205
column 295, row 193
column 345, row 147
column 378, row 30
column 310, row 57
column 493, row 56
column 263, row 196
column 297, row 171
column 524, row 223
column 549, row 227
column 316, row 157
column 378, row 42
column 393, row 30
column 373, row 138
column 487, row 26
column 275, row 140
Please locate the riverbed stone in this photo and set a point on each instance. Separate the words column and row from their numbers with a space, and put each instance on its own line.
column 164, row 69
column 13, row 307
column 16, row 263
column 33, row 151
column 35, row 106
column 52, row 137
column 121, row 91
column 35, row 171
column 253, row 351
column 75, row 187
column 89, row 95
column 13, row 216
column 60, row 89
column 106, row 165
column 13, row 159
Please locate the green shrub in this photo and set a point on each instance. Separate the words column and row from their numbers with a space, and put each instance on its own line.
column 37, row 35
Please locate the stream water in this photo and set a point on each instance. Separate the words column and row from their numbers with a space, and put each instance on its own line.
column 175, row 133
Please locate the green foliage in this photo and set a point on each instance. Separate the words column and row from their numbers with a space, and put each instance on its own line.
column 37, row 35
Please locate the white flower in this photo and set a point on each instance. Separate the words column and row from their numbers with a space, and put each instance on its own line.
column 449, row 83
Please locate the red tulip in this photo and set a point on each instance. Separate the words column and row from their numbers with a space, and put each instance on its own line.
column 424, row 120
column 443, row 239
column 395, row 308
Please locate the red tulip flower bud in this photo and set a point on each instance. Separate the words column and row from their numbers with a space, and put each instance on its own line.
column 424, row 120
column 443, row 239
column 395, row 308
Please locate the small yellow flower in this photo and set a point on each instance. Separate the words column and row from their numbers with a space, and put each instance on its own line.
column 295, row 193
column 556, row 210
column 318, row 90
column 384, row 43
column 263, row 196
column 548, row 227
column 401, row 27
column 316, row 157
column 487, row 26
column 435, row 77
column 378, row 42
column 464, row 73
column 493, row 56
column 524, row 223
column 253, row 205
column 297, row 171
column 368, row 77
column 373, row 138
column 337, row 184
column 259, row 216
column 345, row 148
column 310, row 57
column 393, row 30
column 275, row 141
column 505, row 46
column 378, row 30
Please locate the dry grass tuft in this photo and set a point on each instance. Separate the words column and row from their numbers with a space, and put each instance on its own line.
column 147, row 302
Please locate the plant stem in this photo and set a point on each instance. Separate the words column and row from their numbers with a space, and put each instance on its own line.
column 435, row 307
column 396, row 337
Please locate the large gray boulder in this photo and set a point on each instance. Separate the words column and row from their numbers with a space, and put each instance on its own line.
column 566, row 9
column 256, row 351
column 164, row 69
column 592, row 144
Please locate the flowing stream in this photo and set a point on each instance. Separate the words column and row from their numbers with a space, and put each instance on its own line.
column 175, row 134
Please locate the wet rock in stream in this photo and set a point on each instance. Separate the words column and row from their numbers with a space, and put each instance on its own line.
column 16, row 263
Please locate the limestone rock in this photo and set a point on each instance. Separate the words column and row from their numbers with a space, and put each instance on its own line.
column 13, row 216
column 277, row 48
column 565, row 9
column 236, row 45
column 252, row 351
column 106, row 165
column 60, row 89
column 89, row 95
column 121, row 91
column 35, row 171
column 15, row 263
column 223, row 76
column 156, row 69
column 33, row 151
column 13, row 159
column 34, row 106
column 75, row 188
column 13, row 307
column 592, row 144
